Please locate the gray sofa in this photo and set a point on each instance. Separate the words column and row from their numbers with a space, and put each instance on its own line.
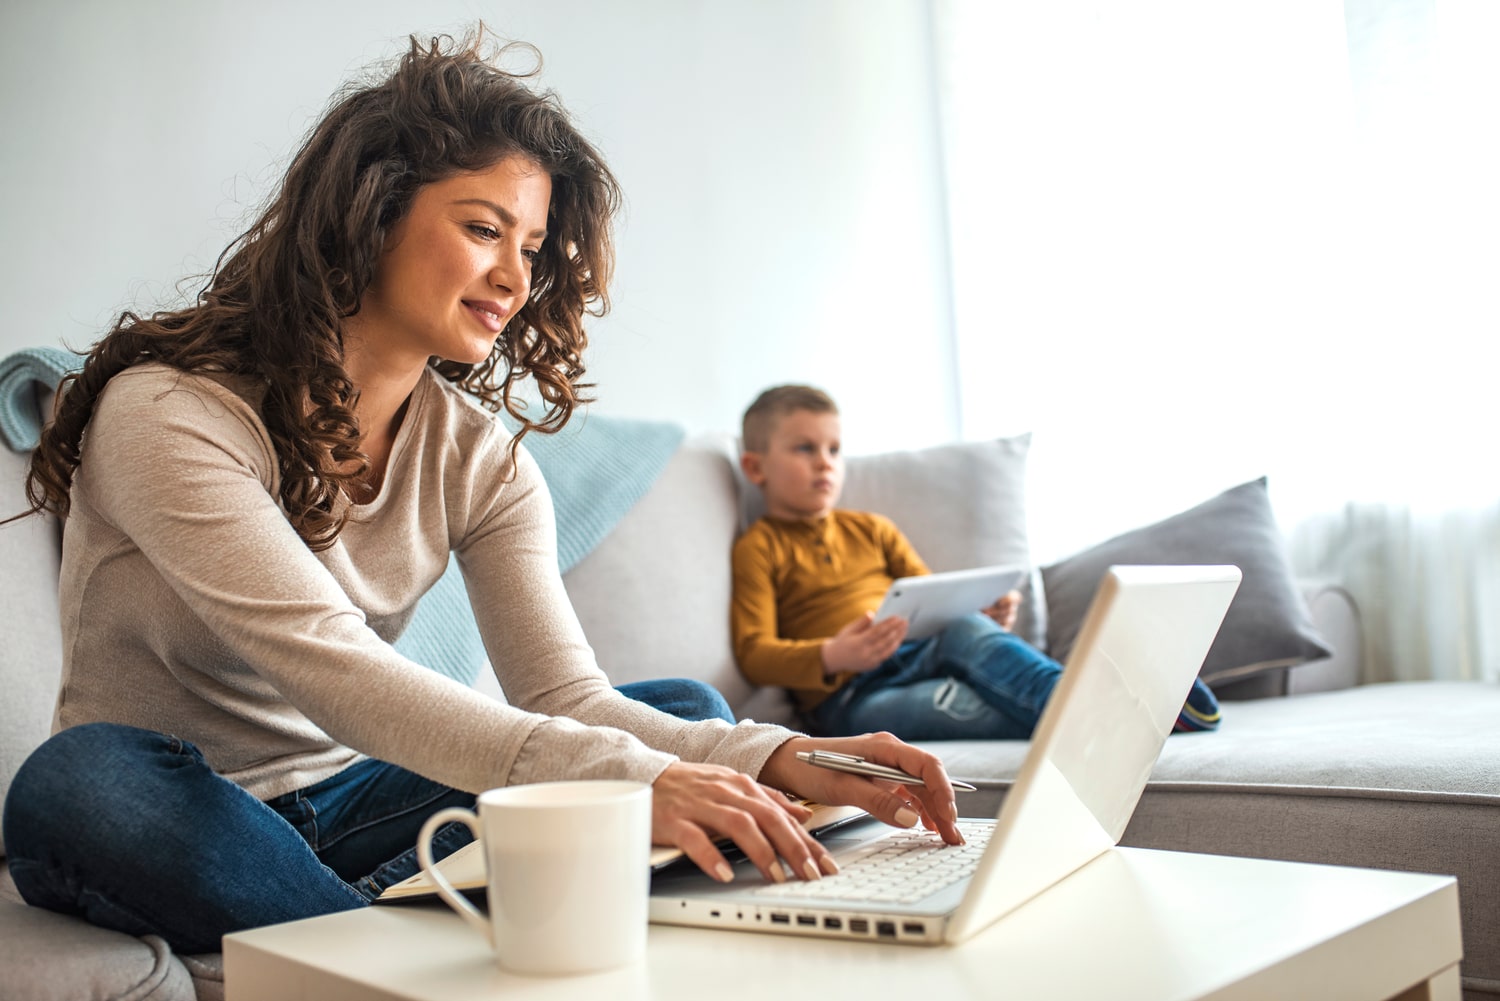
column 1316, row 768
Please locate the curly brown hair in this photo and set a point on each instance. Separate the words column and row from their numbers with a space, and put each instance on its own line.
column 275, row 303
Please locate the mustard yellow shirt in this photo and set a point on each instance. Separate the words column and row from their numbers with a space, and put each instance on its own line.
column 797, row 583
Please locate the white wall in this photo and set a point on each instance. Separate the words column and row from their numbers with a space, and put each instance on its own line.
column 779, row 159
column 1194, row 248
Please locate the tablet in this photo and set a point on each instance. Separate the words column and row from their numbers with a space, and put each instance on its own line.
column 931, row 602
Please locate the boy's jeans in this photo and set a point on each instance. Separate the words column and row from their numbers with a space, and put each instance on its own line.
column 131, row 830
column 972, row 681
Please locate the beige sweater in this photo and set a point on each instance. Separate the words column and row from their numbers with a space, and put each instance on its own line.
column 191, row 607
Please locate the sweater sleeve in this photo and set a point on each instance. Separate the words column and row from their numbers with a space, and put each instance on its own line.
column 540, row 654
column 764, row 656
column 900, row 556
column 188, row 475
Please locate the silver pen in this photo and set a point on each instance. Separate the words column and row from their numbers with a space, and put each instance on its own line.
column 857, row 765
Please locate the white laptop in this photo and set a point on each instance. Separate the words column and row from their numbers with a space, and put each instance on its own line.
column 930, row 602
column 1139, row 648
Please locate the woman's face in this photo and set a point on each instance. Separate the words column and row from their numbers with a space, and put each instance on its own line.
column 457, row 267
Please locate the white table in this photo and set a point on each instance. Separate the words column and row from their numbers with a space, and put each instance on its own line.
column 1133, row 924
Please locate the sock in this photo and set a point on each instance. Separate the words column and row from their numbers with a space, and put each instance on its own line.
column 1200, row 712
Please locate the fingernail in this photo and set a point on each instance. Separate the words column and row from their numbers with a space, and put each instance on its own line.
column 724, row 873
column 811, row 868
column 830, row 867
column 777, row 875
column 907, row 817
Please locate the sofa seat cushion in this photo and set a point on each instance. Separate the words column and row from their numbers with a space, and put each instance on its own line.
column 1394, row 776
column 46, row 955
column 1436, row 737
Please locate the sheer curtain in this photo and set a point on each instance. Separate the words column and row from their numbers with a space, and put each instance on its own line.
column 1195, row 242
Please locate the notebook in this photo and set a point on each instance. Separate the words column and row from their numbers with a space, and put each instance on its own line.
column 930, row 602
column 1141, row 644
column 465, row 867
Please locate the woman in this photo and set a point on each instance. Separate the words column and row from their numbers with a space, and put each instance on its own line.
column 259, row 487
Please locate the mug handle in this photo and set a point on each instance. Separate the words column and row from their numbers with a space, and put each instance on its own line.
column 445, row 889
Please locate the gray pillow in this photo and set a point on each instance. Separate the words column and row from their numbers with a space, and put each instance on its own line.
column 1268, row 627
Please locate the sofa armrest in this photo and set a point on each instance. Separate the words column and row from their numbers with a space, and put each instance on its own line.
column 1337, row 618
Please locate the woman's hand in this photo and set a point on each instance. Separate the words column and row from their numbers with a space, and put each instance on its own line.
column 893, row 802
column 692, row 804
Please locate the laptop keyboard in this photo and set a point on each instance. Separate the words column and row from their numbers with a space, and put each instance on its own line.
column 901, row 868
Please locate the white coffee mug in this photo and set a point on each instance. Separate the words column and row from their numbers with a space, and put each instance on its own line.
column 568, row 873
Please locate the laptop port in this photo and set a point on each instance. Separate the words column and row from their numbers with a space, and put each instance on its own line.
column 781, row 919
column 807, row 919
column 833, row 924
column 859, row 926
column 913, row 928
column 887, row 928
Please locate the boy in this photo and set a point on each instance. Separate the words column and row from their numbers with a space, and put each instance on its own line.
column 809, row 575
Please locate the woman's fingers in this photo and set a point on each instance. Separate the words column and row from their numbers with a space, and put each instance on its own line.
column 766, row 820
column 932, row 803
column 766, row 836
column 692, row 803
column 698, row 846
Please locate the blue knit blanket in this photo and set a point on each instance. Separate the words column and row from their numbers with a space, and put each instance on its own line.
column 596, row 468
column 24, row 377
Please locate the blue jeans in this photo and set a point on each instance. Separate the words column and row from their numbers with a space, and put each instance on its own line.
column 131, row 830
column 972, row 681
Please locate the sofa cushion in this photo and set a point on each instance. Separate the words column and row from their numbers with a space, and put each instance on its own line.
column 1393, row 776
column 46, row 956
column 207, row 971
column 653, row 597
column 961, row 505
column 1419, row 738
column 1267, row 628
column 31, row 656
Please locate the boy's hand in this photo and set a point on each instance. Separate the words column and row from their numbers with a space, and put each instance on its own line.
column 863, row 644
column 1003, row 611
